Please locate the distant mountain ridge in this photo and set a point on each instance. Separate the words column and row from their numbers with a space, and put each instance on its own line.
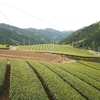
column 88, row 37
column 13, row 38
column 36, row 36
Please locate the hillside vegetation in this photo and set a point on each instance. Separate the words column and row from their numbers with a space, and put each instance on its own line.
column 30, row 35
column 13, row 38
column 88, row 37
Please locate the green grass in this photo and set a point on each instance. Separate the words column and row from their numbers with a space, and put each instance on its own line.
column 2, row 46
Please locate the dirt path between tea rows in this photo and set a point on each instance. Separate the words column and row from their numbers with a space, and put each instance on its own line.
column 6, row 85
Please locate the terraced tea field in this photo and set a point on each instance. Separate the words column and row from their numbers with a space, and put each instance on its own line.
column 32, row 80
column 54, row 48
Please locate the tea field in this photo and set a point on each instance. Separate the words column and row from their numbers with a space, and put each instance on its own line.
column 55, row 48
column 32, row 80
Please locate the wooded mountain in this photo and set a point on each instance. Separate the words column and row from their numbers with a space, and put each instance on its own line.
column 13, row 38
column 88, row 37
column 20, row 36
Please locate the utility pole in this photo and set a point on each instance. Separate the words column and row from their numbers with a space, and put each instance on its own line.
column 53, row 43
column 83, row 45
column 23, row 41
column 98, row 50
column 93, row 46
column 29, row 40
column 45, row 41
column 4, row 41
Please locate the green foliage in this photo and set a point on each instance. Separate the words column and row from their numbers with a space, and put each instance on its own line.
column 13, row 38
column 2, row 46
column 85, row 85
column 2, row 73
column 37, row 36
column 54, row 48
column 88, row 35
column 84, row 69
column 24, row 84
column 57, row 87
column 72, row 81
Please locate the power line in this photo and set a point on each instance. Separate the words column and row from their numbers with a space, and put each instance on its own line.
column 6, row 17
column 30, row 15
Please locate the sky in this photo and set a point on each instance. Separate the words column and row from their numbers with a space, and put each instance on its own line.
column 57, row 14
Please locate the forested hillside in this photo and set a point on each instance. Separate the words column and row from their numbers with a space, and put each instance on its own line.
column 88, row 37
column 13, row 38
column 39, row 36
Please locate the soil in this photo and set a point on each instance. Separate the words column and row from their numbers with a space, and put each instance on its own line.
column 6, row 85
column 34, row 56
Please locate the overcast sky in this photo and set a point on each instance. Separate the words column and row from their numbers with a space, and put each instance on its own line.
column 56, row 14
